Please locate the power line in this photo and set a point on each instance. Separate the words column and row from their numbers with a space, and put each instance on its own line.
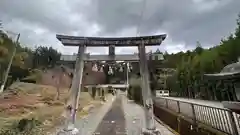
column 141, row 17
column 1, row 25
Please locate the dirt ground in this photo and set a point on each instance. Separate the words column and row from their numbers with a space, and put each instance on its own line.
column 26, row 100
column 39, row 101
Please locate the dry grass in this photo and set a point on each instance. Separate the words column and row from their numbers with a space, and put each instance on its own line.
column 39, row 102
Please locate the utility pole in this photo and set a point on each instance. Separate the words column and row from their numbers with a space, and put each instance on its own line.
column 127, row 69
column 127, row 77
column 10, row 64
column 0, row 23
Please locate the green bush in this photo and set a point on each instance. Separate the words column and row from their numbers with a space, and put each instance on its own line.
column 110, row 89
column 24, row 127
column 135, row 93
column 34, row 131
column 34, row 77
column 130, row 93
column 94, row 92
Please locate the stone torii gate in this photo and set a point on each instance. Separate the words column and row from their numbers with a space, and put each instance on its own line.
column 140, row 42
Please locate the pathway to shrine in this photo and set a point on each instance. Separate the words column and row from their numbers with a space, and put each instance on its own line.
column 118, row 116
column 113, row 122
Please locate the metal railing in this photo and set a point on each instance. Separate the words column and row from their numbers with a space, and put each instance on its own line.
column 221, row 119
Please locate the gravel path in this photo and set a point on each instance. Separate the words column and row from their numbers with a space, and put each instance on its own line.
column 118, row 116
column 113, row 122
column 89, row 124
column 135, row 121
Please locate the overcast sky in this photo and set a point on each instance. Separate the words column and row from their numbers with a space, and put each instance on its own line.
column 184, row 21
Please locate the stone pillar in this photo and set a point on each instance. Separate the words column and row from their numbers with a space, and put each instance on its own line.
column 142, row 81
column 150, row 123
column 72, row 104
column 99, row 92
column 111, row 53
column 111, row 50
column 77, row 82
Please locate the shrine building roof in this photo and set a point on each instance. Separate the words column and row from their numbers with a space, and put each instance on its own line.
column 231, row 71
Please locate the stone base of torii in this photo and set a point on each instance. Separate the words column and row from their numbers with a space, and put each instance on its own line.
column 150, row 128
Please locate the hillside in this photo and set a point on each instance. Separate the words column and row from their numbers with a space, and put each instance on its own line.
column 26, row 100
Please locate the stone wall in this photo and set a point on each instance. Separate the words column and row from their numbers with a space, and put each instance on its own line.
column 51, row 76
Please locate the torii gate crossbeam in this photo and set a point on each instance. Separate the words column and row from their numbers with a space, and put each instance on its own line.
column 125, row 57
column 140, row 42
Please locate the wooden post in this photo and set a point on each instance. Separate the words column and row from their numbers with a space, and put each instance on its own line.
column 166, row 103
column 234, row 92
column 211, row 97
column 178, row 105
column 150, row 125
column 214, row 91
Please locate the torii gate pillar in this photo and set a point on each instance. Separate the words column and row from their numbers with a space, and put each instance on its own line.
column 77, row 82
column 146, row 91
